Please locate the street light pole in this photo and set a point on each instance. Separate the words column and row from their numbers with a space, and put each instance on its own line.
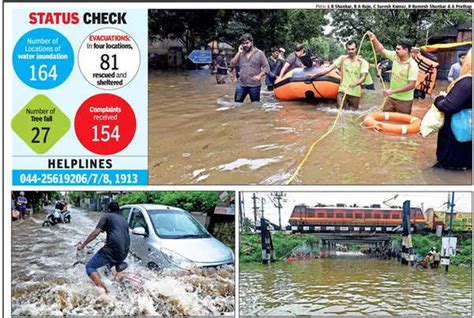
column 278, row 195
column 254, row 198
column 451, row 216
column 450, row 233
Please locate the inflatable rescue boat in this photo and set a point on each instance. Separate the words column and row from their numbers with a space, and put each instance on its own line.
column 296, row 85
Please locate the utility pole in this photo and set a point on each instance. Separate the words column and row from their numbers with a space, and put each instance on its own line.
column 448, row 244
column 407, row 246
column 262, row 201
column 279, row 195
column 450, row 233
column 451, row 216
column 241, row 209
column 254, row 198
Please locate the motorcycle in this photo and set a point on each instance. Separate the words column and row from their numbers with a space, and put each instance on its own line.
column 56, row 217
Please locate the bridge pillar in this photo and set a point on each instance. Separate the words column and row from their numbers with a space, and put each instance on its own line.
column 332, row 250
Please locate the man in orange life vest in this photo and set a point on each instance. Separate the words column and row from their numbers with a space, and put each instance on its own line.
column 399, row 97
column 353, row 73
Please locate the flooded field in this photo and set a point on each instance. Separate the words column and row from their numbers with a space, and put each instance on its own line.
column 198, row 135
column 353, row 286
column 45, row 282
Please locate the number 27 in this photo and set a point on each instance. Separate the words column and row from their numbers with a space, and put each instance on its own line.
column 37, row 130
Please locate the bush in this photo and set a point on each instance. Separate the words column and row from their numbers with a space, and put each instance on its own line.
column 424, row 243
column 251, row 246
column 204, row 201
column 464, row 256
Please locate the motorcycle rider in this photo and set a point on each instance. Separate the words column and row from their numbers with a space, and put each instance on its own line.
column 62, row 207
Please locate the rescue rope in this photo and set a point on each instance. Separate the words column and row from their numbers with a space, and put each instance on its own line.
column 329, row 131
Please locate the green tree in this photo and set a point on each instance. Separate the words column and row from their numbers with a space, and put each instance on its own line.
column 192, row 27
column 391, row 24
column 268, row 27
column 464, row 256
column 202, row 201
column 460, row 225
column 246, row 225
column 37, row 199
column 76, row 196
column 325, row 47
column 139, row 197
column 304, row 24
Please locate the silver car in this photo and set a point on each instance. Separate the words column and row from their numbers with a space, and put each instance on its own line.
column 163, row 236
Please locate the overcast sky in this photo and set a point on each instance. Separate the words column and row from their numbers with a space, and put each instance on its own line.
column 435, row 200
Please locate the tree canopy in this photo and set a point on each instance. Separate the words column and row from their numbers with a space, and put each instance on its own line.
column 391, row 25
column 202, row 201
column 268, row 27
column 323, row 31
column 38, row 198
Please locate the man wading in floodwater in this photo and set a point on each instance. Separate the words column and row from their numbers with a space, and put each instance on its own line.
column 116, row 247
column 253, row 66
column 353, row 73
column 399, row 97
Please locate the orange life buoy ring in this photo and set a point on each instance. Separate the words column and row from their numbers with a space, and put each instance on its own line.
column 379, row 121
column 292, row 259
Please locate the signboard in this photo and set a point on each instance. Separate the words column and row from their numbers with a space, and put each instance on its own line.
column 200, row 57
column 75, row 98
column 439, row 230
column 225, row 203
column 224, row 210
column 448, row 246
column 444, row 261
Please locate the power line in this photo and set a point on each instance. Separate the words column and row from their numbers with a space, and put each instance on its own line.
column 278, row 195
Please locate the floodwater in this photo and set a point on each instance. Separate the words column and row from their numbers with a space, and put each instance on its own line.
column 353, row 286
column 198, row 135
column 44, row 282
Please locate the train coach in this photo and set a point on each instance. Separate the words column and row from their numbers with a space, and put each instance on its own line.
column 353, row 219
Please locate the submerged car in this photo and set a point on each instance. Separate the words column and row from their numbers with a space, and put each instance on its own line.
column 163, row 236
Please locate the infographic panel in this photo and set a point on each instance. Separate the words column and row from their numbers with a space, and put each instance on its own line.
column 79, row 106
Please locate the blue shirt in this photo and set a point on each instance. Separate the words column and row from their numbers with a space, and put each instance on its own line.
column 454, row 71
column 21, row 201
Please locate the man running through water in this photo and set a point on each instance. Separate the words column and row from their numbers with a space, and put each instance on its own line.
column 116, row 247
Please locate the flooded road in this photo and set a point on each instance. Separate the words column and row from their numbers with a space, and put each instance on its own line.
column 352, row 286
column 44, row 282
column 198, row 135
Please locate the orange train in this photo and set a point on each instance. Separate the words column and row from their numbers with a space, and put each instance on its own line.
column 354, row 216
column 296, row 85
